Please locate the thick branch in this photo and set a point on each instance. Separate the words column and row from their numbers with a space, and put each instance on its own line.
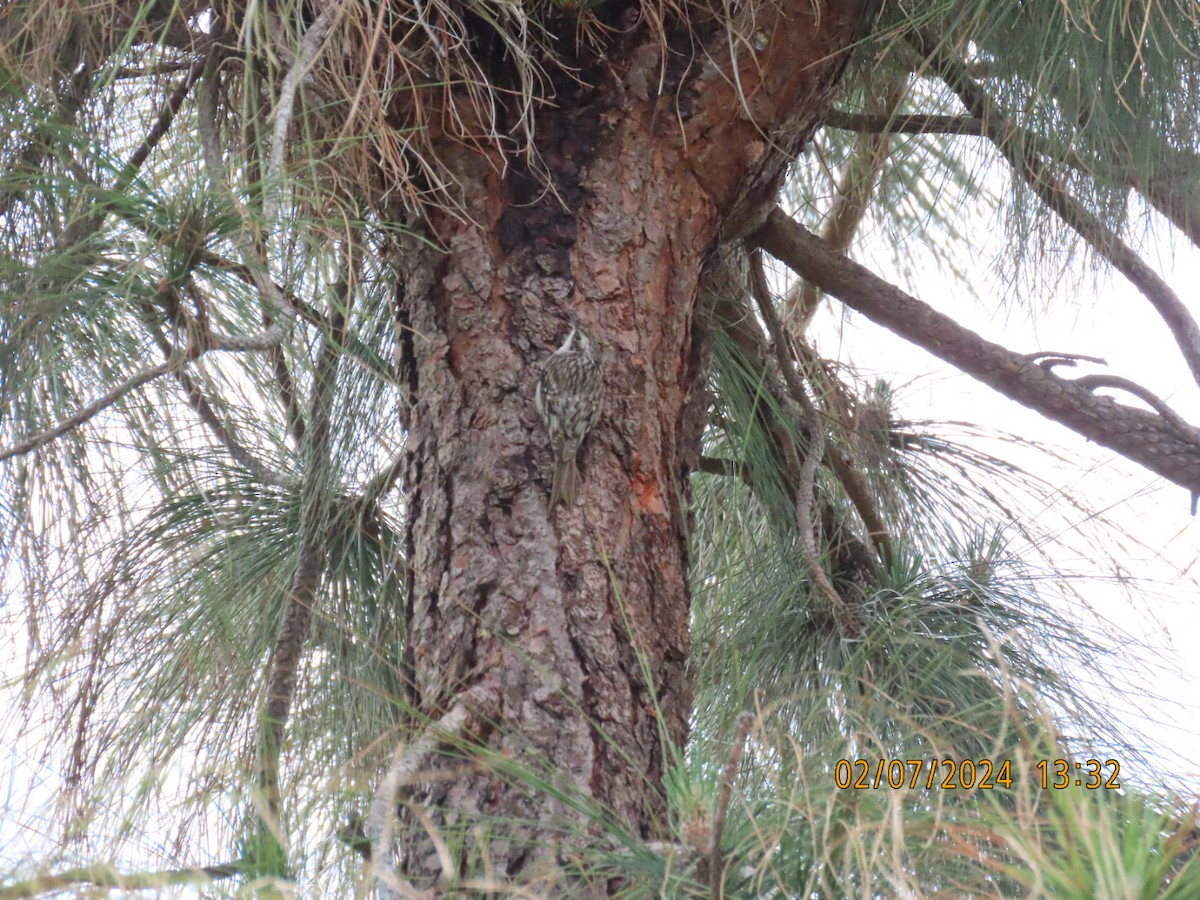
column 912, row 124
column 1141, row 436
column 1027, row 162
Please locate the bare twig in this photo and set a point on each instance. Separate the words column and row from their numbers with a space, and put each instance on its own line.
column 716, row 864
column 407, row 760
column 309, row 46
column 806, row 478
column 96, row 406
column 103, row 876
column 126, row 73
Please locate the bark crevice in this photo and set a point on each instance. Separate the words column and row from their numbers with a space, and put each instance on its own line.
column 579, row 614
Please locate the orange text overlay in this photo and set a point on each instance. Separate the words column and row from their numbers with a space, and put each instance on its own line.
column 970, row 774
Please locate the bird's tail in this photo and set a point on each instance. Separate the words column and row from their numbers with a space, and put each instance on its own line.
column 565, row 486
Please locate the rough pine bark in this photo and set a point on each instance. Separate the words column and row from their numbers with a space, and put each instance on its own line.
column 574, row 620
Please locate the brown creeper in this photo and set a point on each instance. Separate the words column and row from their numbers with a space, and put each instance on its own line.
column 567, row 399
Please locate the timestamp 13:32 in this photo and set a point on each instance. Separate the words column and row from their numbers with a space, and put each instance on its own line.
column 967, row 774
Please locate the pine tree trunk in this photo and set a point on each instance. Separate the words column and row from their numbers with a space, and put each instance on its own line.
column 575, row 619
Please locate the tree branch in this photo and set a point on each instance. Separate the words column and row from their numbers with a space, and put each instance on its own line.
column 1160, row 192
column 309, row 45
column 248, row 275
column 1025, row 156
column 207, row 126
column 478, row 703
column 208, row 415
column 302, row 597
column 81, row 228
column 1179, row 210
column 226, row 343
column 103, row 876
column 716, row 865
column 1143, row 437
column 281, row 313
column 853, row 196
column 741, row 326
column 911, row 124
column 96, row 406
column 1101, row 380
column 813, row 453
column 163, row 123
column 728, row 468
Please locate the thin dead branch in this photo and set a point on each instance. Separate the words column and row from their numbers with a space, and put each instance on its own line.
column 480, row 702
column 108, row 877
column 813, row 453
column 716, row 862
column 88, row 412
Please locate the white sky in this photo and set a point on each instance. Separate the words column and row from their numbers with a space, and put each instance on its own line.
column 1106, row 318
